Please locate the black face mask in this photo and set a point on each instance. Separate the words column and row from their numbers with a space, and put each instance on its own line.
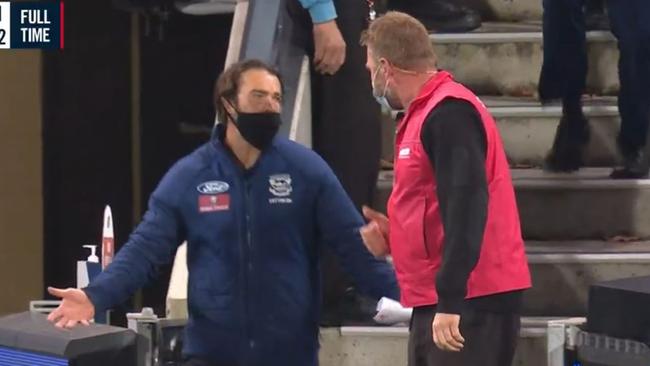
column 258, row 129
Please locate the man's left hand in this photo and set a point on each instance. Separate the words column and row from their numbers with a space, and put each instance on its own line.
column 446, row 332
column 374, row 240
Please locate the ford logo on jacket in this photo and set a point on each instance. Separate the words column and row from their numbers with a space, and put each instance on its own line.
column 213, row 187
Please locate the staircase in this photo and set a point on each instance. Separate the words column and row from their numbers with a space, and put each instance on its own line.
column 579, row 228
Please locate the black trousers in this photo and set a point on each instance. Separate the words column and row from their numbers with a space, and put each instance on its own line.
column 564, row 69
column 490, row 339
column 630, row 22
column 346, row 122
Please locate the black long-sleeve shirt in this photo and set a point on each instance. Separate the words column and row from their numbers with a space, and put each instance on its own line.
column 454, row 139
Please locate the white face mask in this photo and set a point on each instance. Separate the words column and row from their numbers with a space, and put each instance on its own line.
column 381, row 99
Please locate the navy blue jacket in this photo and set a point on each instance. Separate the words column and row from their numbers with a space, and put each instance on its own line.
column 253, row 252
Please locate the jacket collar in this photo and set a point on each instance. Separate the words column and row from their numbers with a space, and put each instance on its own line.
column 426, row 91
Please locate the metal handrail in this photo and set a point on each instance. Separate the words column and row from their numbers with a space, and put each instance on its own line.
column 268, row 34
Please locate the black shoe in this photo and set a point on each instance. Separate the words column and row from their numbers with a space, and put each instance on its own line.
column 443, row 16
column 570, row 139
column 635, row 166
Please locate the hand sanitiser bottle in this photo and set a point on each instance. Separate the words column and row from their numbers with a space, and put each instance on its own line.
column 88, row 269
column 93, row 258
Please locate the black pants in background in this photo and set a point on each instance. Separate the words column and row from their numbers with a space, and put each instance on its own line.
column 346, row 123
column 490, row 339
column 564, row 69
column 630, row 22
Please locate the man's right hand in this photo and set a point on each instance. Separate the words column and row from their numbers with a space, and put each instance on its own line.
column 375, row 233
column 329, row 53
column 75, row 308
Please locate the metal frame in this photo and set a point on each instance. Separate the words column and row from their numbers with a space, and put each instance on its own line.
column 267, row 36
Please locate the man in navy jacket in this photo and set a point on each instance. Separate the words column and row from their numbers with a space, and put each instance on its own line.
column 255, row 210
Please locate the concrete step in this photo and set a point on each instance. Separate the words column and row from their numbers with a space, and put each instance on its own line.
column 497, row 10
column 512, row 11
column 563, row 271
column 505, row 59
column 528, row 129
column 388, row 346
column 583, row 205
column 357, row 346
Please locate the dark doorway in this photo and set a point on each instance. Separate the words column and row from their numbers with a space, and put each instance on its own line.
column 86, row 136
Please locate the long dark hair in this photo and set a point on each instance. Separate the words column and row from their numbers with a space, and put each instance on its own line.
column 227, row 84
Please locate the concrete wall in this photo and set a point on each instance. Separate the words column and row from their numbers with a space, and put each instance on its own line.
column 21, row 191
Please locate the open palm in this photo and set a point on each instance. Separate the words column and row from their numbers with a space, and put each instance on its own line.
column 75, row 308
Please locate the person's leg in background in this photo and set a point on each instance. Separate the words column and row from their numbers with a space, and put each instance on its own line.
column 595, row 16
column 644, row 65
column 630, row 24
column 563, row 76
column 440, row 16
column 346, row 133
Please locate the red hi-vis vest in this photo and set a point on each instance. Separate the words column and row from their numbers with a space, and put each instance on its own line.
column 416, row 231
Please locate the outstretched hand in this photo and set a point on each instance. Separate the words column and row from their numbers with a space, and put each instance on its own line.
column 76, row 308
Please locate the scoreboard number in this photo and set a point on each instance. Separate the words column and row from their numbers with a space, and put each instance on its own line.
column 5, row 16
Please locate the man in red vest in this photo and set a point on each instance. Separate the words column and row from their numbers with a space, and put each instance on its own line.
column 454, row 231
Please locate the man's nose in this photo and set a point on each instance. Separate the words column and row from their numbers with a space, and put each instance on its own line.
column 272, row 104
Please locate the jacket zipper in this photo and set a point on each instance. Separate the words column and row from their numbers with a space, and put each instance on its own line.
column 248, row 249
